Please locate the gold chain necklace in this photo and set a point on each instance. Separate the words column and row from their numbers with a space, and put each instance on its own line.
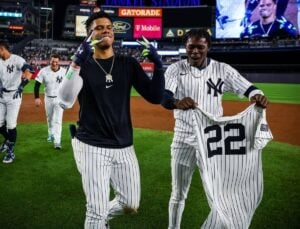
column 108, row 76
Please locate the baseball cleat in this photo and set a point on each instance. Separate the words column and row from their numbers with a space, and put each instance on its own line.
column 57, row 146
column 3, row 147
column 9, row 158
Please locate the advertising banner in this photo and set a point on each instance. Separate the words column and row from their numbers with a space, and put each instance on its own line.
column 147, row 27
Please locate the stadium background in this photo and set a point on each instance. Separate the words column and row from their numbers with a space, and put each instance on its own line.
column 41, row 189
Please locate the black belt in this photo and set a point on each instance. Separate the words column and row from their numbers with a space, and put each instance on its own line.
column 5, row 90
column 51, row 97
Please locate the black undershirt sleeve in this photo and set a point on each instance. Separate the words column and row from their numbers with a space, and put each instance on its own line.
column 168, row 101
column 36, row 89
column 251, row 88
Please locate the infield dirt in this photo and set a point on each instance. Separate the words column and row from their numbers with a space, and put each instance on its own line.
column 284, row 119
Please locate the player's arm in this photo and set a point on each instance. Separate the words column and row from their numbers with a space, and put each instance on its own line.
column 239, row 85
column 70, row 87
column 26, row 76
column 170, row 103
column 152, row 90
column 252, row 4
column 72, row 82
column 27, row 71
column 37, row 100
column 255, row 95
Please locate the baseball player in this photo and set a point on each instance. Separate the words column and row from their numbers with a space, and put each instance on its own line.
column 51, row 76
column 196, row 81
column 269, row 25
column 103, row 142
column 14, row 76
column 252, row 4
column 229, row 155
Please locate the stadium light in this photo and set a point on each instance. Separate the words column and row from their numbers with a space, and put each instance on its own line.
column 46, row 8
column 49, row 10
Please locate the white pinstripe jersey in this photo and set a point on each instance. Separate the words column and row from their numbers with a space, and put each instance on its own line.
column 11, row 78
column 205, row 86
column 229, row 155
column 51, row 79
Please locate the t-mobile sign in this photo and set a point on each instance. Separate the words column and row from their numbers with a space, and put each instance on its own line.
column 147, row 27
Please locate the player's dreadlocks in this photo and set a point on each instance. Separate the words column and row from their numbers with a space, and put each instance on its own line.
column 198, row 33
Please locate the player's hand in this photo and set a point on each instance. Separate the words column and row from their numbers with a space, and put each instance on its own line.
column 222, row 20
column 260, row 100
column 185, row 104
column 246, row 20
column 18, row 93
column 84, row 50
column 150, row 52
column 37, row 102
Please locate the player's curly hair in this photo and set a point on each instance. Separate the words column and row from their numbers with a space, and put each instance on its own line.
column 94, row 16
column 198, row 33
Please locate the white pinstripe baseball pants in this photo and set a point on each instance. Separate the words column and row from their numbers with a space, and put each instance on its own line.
column 100, row 168
column 183, row 164
column 9, row 110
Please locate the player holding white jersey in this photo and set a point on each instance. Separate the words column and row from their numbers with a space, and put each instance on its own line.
column 51, row 76
column 196, row 81
column 15, row 75
column 229, row 155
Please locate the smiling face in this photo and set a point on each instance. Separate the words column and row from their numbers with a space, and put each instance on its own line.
column 196, row 49
column 267, row 8
column 103, row 29
column 54, row 63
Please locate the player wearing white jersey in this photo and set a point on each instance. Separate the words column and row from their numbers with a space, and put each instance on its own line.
column 196, row 81
column 15, row 75
column 229, row 18
column 228, row 151
column 51, row 76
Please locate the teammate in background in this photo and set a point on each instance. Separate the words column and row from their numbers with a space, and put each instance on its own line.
column 269, row 25
column 229, row 14
column 197, row 81
column 51, row 76
column 252, row 4
column 103, row 142
column 15, row 75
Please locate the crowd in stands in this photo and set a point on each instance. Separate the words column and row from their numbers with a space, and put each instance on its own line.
column 38, row 51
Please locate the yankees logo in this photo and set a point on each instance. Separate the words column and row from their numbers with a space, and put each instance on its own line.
column 217, row 87
column 10, row 68
column 59, row 79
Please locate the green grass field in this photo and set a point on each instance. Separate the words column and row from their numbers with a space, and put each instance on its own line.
column 42, row 188
column 277, row 93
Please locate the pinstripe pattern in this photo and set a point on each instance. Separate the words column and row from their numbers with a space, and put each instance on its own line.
column 100, row 168
column 206, row 87
column 10, row 78
column 233, row 183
